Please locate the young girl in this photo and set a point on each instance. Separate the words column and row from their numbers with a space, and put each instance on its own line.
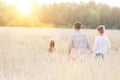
column 102, row 43
column 51, row 50
column 51, row 47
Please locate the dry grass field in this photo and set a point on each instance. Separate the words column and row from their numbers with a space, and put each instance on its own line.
column 24, row 56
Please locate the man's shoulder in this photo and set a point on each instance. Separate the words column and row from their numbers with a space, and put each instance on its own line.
column 79, row 33
column 83, row 34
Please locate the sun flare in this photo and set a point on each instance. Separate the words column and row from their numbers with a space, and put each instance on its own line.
column 24, row 7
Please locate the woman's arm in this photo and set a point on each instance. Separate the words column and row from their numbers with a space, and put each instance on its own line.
column 95, row 45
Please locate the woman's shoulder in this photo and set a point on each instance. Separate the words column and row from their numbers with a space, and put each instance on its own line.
column 97, row 37
column 104, row 37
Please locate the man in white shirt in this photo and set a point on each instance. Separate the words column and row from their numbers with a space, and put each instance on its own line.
column 78, row 43
column 102, row 43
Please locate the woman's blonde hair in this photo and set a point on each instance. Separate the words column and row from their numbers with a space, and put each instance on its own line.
column 101, row 29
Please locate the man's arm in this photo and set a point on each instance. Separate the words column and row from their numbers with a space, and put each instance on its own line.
column 88, row 44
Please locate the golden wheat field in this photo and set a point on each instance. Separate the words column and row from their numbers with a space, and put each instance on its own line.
column 24, row 56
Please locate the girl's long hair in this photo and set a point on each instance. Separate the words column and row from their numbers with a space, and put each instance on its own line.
column 52, row 45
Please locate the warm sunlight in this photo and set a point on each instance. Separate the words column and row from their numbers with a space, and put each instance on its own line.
column 24, row 7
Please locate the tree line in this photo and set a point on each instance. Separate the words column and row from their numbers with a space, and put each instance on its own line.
column 62, row 15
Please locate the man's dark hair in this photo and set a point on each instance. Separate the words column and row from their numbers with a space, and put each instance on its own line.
column 77, row 25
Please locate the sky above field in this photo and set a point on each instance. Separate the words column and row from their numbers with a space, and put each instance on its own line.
column 40, row 2
column 25, row 7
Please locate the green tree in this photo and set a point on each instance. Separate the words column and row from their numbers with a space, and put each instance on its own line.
column 93, row 19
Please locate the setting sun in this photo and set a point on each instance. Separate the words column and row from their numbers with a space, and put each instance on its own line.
column 24, row 7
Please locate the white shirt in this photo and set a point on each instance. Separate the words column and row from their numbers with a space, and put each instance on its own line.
column 101, row 44
column 79, row 42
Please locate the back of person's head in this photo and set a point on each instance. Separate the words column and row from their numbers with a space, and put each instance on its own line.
column 52, row 44
column 77, row 25
column 101, row 29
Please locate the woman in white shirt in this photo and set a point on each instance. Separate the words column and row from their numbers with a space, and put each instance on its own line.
column 102, row 43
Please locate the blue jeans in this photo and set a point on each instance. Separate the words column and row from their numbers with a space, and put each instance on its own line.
column 99, row 55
